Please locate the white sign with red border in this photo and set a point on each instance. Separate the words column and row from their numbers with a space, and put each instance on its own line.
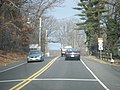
column 100, row 43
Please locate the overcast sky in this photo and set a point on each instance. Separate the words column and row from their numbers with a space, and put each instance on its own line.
column 66, row 10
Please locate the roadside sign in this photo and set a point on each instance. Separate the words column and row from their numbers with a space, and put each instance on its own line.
column 100, row 43
column 100, row 39
column 100, row 48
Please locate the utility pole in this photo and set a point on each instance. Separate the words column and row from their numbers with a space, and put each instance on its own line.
column 46, row 43
column 39, row 37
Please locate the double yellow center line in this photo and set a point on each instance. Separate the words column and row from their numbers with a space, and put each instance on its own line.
column 32, row 77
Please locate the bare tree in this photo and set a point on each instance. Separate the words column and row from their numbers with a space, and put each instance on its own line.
column 13, row 27
column 67, row 35
column 35, row 9
column 14, row 18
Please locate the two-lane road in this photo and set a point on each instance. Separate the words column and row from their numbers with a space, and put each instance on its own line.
column 53, row 74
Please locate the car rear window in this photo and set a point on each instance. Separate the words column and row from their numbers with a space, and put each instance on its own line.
column 72, row 49
column 34, row 52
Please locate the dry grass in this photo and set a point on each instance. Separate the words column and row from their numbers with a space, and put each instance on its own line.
column 103, row 61
column 11, row 58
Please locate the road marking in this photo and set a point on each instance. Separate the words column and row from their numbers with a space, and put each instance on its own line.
column 12, row 67
column 7, row 81
column 105, row 87
column 50, row 79
column 34, row 76
column 64, row 79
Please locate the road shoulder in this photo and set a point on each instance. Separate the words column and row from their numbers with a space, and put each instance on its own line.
column 93, row 58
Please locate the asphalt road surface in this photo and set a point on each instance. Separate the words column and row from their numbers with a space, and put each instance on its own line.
column 57, row 74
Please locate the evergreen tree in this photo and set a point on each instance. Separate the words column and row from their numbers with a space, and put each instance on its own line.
column 92, row 12
column 112, row 23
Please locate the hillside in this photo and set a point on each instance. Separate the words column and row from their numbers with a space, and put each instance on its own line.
column 11, row 58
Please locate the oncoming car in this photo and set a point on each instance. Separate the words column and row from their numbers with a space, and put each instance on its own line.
column 35, row 55
column 72, row 53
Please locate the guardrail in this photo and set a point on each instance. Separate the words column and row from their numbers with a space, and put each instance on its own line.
column 108, row 57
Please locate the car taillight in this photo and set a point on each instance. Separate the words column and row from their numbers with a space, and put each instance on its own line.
column 78, row 52
column 66, row 53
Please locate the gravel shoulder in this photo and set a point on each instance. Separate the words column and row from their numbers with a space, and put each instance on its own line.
column 117, row 61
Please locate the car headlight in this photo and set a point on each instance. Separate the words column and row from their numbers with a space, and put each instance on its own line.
column 38, row 57
column 28, row 57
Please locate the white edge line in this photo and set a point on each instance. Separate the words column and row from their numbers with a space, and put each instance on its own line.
column 12, row 67
column 6, row 81
column 106, row 88
column 65, row 79
column 49, row 79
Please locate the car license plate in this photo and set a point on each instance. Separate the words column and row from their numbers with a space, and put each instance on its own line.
column 72, row 55
column 33, row 59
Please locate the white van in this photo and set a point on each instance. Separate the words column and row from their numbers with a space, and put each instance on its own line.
column 63, row 50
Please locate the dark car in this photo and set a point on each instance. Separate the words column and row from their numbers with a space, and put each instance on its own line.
column 72, row 54
column 35, row 55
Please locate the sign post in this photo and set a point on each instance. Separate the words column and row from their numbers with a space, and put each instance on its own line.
column 100, row 46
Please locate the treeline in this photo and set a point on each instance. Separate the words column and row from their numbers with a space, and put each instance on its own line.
column 13, row 28
column 100, row 18
column 19, row 22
